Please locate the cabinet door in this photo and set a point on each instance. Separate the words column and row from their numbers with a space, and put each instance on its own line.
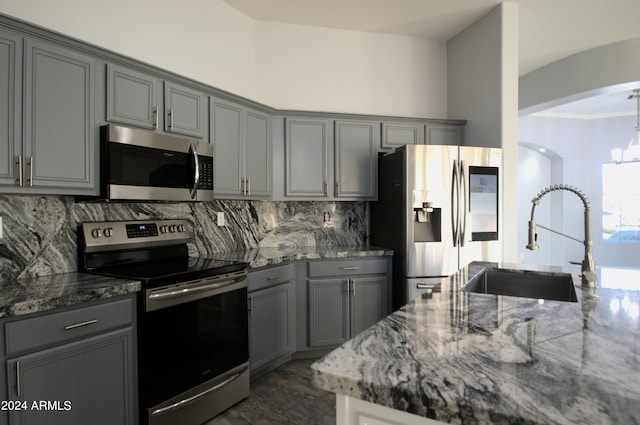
column 184, row 110
column 10, row 107
column 60, row 130
column 132, row 97
column 307, row 143
column 226, row 131
column 258, row 154
column 270, row 322
column 369, row 302
column 398, row 134
column 90, row 380
column 443, row 135
column 356, row 161
column 328, row 312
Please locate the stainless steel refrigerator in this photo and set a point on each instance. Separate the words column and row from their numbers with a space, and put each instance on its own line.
column 438, row 208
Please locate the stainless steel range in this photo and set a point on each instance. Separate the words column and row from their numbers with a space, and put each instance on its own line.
column 193, row 356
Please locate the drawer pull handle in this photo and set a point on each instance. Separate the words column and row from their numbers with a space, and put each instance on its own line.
column 351, row 268
column 78, row 325
column 273, row 277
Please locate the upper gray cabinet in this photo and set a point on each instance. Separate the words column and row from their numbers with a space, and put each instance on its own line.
column 53, row 149
column 356, row 159
column 133, row 97
column 10, row 106
column 441, row 134
column 396, row 134
column 327, row 159
column 308, row 157
column 142, row 100
column 242, row 146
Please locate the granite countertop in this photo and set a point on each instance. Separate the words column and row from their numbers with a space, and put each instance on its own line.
column 262, row 257
column 32, row 295
column 469, row 358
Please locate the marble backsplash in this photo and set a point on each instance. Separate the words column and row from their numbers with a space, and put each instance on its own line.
column 40, row 232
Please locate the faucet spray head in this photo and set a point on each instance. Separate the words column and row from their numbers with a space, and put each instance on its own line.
column 533, row 236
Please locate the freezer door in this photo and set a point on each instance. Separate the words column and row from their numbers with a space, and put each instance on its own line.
column 430, row 211
column 481, row 204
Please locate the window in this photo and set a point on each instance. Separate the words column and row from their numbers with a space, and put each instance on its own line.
column 621, row 202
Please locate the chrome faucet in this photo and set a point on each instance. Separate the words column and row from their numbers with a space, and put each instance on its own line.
column 589, row 275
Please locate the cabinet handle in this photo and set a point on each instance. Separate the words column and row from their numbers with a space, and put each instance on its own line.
column 326, row 188
column 79, row 325
column 30, row 171
column 18, row 377
column 244, row 186
column 353, row 287
column 155, row 116
column 278, row 277
column 248, row 186
column 250, row 306
column 171, row 118
column 351, row 268
column 19, row 180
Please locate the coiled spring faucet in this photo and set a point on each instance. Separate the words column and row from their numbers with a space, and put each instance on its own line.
column 588, row 264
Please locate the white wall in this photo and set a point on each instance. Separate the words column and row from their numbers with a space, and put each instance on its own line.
column 206, row 40
column 482, row 87
column 582, row 75
column 281, row 65
column 303, row 67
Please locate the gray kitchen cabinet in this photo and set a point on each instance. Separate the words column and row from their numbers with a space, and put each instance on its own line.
column 54, row 149
column 271, row 313
column 442, row 134
column 10, row 106
column 345, row 297
column 356, row 159
column 242, row 146
column 133, row 98
column 79, row 362
column 142, row 100
column 184, row 110
column 396, row 134
column 308, row 157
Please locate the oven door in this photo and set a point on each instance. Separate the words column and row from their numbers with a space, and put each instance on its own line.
column 194, row 351
column 143, row 165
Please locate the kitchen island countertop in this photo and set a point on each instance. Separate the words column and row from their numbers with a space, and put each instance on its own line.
column 469, row 358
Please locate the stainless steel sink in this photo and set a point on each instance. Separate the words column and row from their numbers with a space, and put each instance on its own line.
column 523, row 283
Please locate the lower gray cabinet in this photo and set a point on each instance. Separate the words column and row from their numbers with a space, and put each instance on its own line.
column 271, row 312
column 74, row 367
column 346, row 297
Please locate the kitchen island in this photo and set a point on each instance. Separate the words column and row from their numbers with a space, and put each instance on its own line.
column 467, row 358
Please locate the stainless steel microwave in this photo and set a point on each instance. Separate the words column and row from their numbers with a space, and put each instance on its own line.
column 144, row 165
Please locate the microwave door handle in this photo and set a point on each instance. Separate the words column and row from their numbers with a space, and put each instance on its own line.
column 196, row 170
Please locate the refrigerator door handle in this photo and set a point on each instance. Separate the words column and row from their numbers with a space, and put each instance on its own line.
column 454, row 202
column 463, row 212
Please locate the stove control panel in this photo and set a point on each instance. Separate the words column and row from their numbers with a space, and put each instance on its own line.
column 112, row 235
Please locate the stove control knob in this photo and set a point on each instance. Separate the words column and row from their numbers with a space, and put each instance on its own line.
column 172, row 228
column 96, row 233
column 108, row 232
column 164, row 228
column 180, row 227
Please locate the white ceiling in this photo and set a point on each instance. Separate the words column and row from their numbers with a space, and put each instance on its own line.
column 549, row 29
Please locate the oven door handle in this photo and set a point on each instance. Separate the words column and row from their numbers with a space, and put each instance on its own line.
column 197, row 396
column 191, row 290
column 196, row 170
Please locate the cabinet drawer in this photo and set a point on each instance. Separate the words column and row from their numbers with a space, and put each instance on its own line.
column 29, row 334
column 270, row 276
column 348, row 267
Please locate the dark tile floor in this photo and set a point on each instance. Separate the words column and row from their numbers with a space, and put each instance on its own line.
column 284, row 397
